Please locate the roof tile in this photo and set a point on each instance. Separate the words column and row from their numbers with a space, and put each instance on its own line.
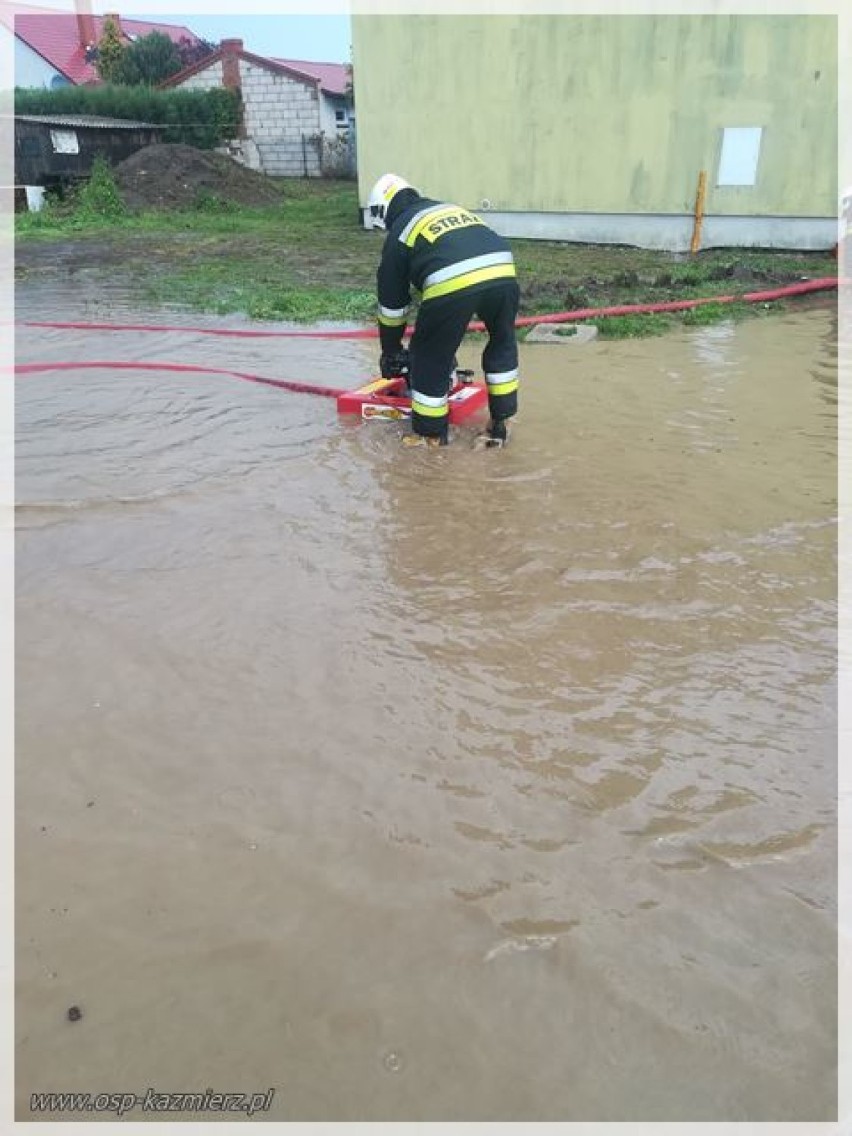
column 55, row 37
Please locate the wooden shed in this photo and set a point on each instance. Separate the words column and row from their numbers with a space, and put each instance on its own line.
column 54, row 150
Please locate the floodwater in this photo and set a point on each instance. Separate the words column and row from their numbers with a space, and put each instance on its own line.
column 430, row 786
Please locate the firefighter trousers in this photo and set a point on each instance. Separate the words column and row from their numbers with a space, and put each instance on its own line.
column 440, row 328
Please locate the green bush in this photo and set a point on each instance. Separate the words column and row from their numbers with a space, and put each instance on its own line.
column 99, row 196
column 196, row 118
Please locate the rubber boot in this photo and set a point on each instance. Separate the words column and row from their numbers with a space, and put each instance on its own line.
column 495, row 437
column 432, row 441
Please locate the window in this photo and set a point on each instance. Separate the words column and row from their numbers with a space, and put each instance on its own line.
column 739, row 156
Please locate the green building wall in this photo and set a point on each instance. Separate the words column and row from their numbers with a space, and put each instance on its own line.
column 544, row 117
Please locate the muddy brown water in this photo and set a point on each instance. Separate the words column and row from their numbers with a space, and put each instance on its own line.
column 430, row 786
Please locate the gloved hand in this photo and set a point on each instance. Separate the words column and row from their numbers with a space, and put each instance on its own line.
column 395, row 364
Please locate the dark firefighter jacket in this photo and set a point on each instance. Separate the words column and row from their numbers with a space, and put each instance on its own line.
column 437, row 249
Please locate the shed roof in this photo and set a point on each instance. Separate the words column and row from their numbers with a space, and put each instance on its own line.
column 79, row 121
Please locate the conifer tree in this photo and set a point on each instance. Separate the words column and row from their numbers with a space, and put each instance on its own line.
column 110, row 52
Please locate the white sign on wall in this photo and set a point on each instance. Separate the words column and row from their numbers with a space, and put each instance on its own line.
column 64, row 142
column 739, row 156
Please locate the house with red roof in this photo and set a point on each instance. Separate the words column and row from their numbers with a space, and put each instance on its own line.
column 55, row 49
column 298, row 117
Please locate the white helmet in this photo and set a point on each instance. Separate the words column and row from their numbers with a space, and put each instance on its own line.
column 381, row 195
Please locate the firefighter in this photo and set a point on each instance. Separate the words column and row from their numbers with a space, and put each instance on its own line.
column 460, row 268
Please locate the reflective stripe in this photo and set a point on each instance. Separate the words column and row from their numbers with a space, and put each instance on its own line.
column 416, row 221
column 392, row 317
column 429, row 406
column 426, row 224
column 392, row 313
column 502, row 382
column 436, row 216
column 468, row 280
column 432, row 215
column 463, row 266
column 503, row 388
column 429, row 411
column 429, row 399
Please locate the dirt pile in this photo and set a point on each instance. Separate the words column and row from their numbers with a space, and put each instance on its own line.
column 175, row 176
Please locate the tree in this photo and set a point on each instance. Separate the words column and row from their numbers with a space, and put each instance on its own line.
column 110, row 51
column 148, row 61
column 194, row 51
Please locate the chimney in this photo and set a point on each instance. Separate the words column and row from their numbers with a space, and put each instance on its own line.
column 86, row 25
column 231, row 49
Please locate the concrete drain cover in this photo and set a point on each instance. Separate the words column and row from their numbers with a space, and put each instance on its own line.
column 558, row 333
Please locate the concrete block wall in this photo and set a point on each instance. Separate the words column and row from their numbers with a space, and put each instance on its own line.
column 278, row 112
column 205, row 80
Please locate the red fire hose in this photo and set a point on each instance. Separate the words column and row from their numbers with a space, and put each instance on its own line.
column 300, row 388
column 822, row 284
